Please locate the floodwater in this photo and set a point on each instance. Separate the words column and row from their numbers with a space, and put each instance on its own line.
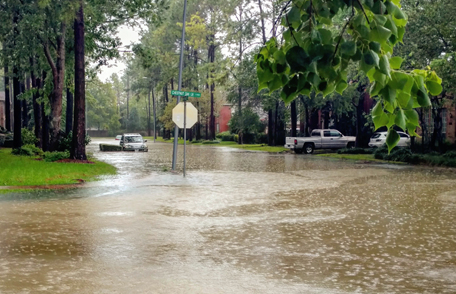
column 240, row 222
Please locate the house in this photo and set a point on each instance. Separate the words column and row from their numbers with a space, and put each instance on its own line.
column 223, row 119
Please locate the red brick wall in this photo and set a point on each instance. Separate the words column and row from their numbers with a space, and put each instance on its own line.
column 224, row 118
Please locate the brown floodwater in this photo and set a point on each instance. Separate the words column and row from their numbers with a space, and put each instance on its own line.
column 240, row 222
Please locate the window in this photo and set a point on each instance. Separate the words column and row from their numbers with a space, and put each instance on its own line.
column 335, row 134
column 326, row 134
column 315, row 134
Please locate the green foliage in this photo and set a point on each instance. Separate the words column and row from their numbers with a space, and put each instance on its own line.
column 225, row 136
column 55, row 156
column 355, row 151
column 210, row 142
column 315, row 55
column 28, row 137
column 247, row 123
column 28, row 150
column 66, row 141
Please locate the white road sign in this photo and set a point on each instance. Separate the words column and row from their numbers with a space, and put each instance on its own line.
column 178, row 115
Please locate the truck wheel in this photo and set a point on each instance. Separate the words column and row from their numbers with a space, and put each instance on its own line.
column 298, row 151
column 308, row 148
column 351, row 145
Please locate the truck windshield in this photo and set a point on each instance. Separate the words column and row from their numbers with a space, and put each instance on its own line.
column 134, row 139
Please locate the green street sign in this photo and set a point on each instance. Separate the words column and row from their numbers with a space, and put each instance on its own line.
column 185, row 93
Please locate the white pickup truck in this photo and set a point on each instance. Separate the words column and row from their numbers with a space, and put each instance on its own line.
column 320, row 139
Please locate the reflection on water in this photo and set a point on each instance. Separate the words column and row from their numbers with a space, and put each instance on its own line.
column 240, row 222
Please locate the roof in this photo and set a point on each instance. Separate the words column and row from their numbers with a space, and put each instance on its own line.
column 2, row 96
column 132, row 134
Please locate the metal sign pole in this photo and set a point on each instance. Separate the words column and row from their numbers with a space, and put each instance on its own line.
column 181, row 59
column 185, row 129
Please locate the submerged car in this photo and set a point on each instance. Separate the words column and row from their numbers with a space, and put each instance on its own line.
column 379, row 139
column 133, row 142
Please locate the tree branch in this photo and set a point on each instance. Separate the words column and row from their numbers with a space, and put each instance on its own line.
column 362, row 8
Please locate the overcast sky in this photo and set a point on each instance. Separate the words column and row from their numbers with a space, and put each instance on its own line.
column 127, row 36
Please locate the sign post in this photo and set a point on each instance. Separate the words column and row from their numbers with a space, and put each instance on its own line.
column 185, row 115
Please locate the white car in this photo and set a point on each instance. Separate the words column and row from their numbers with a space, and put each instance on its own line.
column 133, row 142
column 379, row 139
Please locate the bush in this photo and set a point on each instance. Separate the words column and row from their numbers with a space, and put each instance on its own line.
column 355, row 151
column 210, row 142
column 450, row 154
column 28, row 137
column 236, row 138
column 28, row 150
column 197, row 141
column 57, row 155
column 261, row 138
column 66, row 141
column 220, row 135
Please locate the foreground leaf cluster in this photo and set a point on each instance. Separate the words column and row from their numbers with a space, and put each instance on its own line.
column 316, row 53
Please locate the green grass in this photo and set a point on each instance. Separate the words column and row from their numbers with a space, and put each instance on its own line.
column 27, row 171
column 253, row 147
column 357, row 157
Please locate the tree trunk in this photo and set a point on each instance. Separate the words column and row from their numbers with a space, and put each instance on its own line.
column 359, row 121
column 276, row 121
column 7, row 101
column 270, row 128
column 294, row 118
column 58, row 74
column 24, row 108
column 148, row 116
column 78, row 147
column 36, row 106
column 263, row 30
column 45, row 125
column 69, row 111
column 17, row 139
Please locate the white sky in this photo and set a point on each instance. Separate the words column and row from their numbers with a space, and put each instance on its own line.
column 127, row 36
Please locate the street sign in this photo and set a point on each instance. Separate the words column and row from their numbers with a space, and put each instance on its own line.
column 178, row 115
column 185, row 93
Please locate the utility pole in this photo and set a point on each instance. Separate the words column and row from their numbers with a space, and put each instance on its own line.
column 181, row 60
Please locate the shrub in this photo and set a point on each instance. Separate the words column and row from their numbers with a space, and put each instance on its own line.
column 57, row 155
column 210, row 142
column 28, row 150
column 220, row 135
column 66, row 141
column 236, row 138
column 228, row 137
column 450, row 154
column 28, row 137
column 261, row 138
column 197, row 141
column 355, row 151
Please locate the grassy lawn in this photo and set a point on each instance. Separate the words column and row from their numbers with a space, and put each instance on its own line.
column 357, row 157
column 26, row 171
column 253, row 147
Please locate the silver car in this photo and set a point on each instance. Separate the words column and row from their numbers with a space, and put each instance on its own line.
column 379, row 139
column 133, row 142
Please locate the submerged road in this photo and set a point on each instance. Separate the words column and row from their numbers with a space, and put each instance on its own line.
column 240, row 222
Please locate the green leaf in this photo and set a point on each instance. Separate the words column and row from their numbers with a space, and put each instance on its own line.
column 371, row 58
column 384, row 65
column 297, row 58
column 379, row 34
column 389, row 94
column 294, row 16
column 391, row 25
column 391, row 119
column 434, row 88
column 395, row 62
column 376, row 47
column 400, row 119
column 411, row 128
column 326, row 36
column 378, row 109
column 279, row 57
column 380, row 120
column 288, row 93
column 392, row 139
column 423, row 99
column 412, row 116
column 403, row 99
column 380, row 19
column 375, row 88
column 341, row 86
column 348, row 48
column 275, row 84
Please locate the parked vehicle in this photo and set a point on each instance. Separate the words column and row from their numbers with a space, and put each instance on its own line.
column 133, row 142
column 379, row 139
column 118, row 137
column 320, row 139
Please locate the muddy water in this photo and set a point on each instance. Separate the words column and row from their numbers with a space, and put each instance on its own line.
column 240, row 222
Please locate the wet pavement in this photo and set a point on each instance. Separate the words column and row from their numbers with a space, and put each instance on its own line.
column 240, row 222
